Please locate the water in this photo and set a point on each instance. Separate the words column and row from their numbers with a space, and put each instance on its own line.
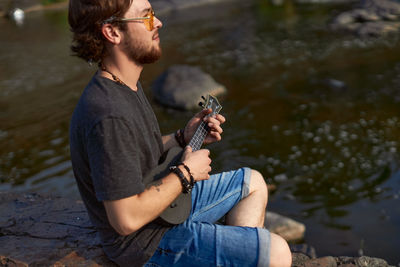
column 316, row 112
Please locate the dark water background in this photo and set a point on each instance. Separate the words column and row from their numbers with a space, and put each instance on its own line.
column 316, row 112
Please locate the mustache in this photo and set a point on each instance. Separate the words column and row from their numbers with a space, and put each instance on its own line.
column 155, row 35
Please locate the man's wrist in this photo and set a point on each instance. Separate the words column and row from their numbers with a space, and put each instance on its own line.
column 180, row 138
column 189, row 173
column 186, row 185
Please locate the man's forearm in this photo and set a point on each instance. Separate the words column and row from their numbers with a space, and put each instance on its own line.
column 130, row 214
column 169, row 141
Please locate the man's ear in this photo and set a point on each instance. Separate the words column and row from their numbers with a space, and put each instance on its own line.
column 111, row 33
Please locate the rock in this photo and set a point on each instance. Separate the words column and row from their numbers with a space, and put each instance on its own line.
column 182, row 86
column 299, row 258
column 40, row 230
column 382, row 6
column 370, row 262
column 321, row 262
column 302, row 260
column 303, row 250
column 5, row 261
column 287, row 228
column 378, row 28
column 373, row 18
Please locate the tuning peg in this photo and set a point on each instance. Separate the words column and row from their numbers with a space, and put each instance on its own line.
column 201, row 104
column 203, row 97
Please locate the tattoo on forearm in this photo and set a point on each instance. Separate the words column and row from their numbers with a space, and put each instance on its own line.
column 156, row 184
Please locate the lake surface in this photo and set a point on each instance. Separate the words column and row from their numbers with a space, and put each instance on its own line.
column 316, row 112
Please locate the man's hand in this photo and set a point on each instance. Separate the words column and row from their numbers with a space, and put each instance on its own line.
column 198, row 162
column 213, row 122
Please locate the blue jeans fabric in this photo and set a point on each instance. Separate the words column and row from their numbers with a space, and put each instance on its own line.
column 200, row 242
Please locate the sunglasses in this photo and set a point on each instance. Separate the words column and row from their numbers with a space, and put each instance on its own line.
column 148, row 20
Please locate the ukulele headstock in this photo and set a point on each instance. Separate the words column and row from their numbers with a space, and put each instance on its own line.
column 212, row 103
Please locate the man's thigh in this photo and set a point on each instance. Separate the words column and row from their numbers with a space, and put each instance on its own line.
column 213, row 198
column 204, row 244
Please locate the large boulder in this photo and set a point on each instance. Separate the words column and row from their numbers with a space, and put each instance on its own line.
column 181, row 87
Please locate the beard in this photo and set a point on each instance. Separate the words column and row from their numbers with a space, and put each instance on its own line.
column 139, row 52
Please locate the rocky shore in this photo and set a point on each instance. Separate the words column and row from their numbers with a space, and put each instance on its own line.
column 43, row 230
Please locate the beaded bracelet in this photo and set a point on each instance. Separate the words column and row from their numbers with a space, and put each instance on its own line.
column 186, row 186
column 192, row 181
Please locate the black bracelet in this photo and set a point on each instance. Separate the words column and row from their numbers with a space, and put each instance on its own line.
column 180, row 138
column 192, row 181
column 186, row 186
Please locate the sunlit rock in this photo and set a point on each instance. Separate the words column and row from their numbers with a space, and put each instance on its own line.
column 182, row 86
column 287, row 228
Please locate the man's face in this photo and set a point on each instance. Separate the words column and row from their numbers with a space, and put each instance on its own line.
column 140, row 44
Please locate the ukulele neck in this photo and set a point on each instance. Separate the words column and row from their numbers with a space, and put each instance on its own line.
column 198, row 138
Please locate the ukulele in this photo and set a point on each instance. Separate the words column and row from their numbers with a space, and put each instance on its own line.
column 178, row 211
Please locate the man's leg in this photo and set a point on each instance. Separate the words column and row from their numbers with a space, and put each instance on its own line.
column 212, row 199
column 199, row 244
column 279, row 254
column 250, row 211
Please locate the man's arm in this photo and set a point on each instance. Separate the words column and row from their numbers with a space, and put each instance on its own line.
column 129, row 214
column 169, row 141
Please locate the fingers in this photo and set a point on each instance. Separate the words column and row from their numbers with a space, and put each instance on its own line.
column 207, row 153
column 203, row 113
column 220, row 118
column 213, row 136
column 215, row 128
column 198, row 162
column 217, row 118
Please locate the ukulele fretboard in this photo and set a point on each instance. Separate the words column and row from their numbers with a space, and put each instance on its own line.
column 198, row 138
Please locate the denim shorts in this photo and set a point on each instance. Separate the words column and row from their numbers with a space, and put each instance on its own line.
column 200, row 242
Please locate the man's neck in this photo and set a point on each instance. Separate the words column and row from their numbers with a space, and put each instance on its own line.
column 125, row 70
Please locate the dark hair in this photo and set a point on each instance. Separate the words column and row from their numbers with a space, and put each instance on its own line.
column 85, row 18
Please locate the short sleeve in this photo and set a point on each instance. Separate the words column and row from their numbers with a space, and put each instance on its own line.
column 114, row 160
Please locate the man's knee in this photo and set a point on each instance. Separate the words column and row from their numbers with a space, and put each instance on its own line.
column 257, row 183
column 280, row 255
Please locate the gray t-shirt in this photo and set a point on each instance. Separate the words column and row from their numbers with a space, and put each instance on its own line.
column 115, row 141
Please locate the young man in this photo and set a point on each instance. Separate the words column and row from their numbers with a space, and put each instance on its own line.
column 115, row 142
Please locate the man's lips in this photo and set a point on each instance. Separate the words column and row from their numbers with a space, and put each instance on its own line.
column 156, row 36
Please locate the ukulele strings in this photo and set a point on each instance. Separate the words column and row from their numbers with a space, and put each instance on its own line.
column 199, row 136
